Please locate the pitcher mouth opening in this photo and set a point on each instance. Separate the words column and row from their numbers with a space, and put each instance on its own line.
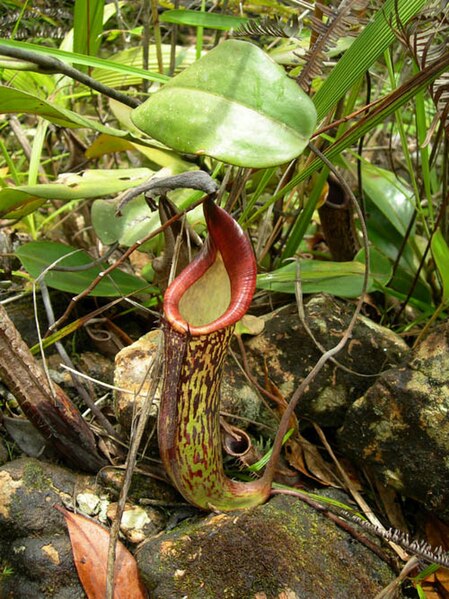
column 215, row 290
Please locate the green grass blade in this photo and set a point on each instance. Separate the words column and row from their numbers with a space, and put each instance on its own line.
column 366, row 48
column 83, row 59
column 207, row 20
column 440, row 252
column 374, row 117
column 87, row 26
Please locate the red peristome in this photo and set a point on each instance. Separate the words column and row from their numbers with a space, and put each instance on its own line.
column 227, row 237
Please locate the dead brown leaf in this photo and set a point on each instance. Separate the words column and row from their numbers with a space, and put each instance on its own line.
column 90, row 543
column 306, row 458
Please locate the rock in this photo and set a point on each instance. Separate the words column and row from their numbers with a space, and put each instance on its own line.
column 34, row 542
column 281, row 549
column 400, row 427
column 289, row 354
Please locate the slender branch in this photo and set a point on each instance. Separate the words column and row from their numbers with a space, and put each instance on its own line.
column 325, row 357
column 50, row 64
column 154, row 372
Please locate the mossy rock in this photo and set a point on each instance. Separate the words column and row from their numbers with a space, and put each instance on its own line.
column 281, row 547
column 400, row 429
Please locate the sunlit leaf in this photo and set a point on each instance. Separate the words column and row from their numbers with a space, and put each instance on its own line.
column 195, row 18
column 344, row 279
column 18, row 201
column 90, row 542
column 108, row 144
column 14, row 101
column 36, row 256
column 133, row 57
column 440, row 252
column 234, row 104
column 83, row 59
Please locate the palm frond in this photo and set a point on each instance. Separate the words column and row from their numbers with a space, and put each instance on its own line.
column 270, row 26
column 332, row 24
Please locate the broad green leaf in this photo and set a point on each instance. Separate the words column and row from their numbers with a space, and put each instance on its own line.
column 344, row 279
column 440, row 252
column 36, row 256
column 16, row 202
column 90, row 61
column 136, row 221
column 234, row 104
column 391, row 196
column 208, row 20
column 14, row 101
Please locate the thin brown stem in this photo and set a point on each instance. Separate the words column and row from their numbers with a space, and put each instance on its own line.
column 154, row 370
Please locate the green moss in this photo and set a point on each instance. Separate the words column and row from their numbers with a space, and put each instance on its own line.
column 34, row 477
column 283, row 545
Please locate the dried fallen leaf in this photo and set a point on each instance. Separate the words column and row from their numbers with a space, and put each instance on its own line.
column 306, row 458
column 300, row 453
column 90, row 543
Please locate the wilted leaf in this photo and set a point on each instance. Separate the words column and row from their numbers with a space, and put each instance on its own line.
column 305, row 457
column 90, row 543
column 234, row 104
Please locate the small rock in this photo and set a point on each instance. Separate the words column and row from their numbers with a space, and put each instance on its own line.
column 281, row 549
column 137, row 523
column 131, row 377
column 400, row 427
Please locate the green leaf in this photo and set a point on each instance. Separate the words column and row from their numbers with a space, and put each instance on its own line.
column 87, row 26
column 364, row 51
column 136, row 221
column 391, row 196
column 36, row 256
column 16, row 202
column 90, row 61
column 234, row 104
column 134, row 56
column 440, row 252
column 14, row 101
column 344, row 279
column 209, row 20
